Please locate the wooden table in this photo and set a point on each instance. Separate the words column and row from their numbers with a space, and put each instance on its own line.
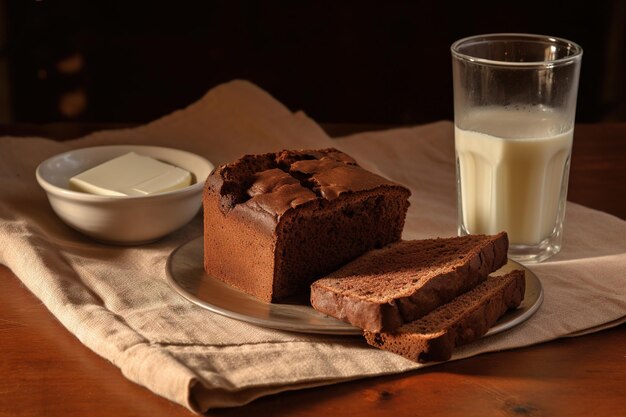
column 46, row 371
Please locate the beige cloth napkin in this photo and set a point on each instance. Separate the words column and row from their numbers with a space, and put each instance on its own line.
column 117, row 302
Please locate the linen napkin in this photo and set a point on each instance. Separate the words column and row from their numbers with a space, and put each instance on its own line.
column 117, row 302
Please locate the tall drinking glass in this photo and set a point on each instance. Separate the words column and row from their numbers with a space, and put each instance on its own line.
column 514, row 109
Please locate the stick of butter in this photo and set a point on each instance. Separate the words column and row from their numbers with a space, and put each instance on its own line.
column 131, row 175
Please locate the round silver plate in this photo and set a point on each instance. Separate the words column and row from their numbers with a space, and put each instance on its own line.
column 185, row 272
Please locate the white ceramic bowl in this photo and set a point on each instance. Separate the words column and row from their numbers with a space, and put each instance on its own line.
column 125, row 220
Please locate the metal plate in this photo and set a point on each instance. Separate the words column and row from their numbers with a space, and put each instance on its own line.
column 185, row 272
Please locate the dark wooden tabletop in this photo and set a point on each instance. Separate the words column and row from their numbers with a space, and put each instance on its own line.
column 46, row 371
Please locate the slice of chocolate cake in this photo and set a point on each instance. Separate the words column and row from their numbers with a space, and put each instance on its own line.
column 274, row 223
column 464, row 319
column 386, row 288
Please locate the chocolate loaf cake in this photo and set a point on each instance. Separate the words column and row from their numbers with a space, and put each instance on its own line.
column 386, row 288
column 275, row 222
column 466, row 318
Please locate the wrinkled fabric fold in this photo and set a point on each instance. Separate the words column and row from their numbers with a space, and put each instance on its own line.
column 117, row 302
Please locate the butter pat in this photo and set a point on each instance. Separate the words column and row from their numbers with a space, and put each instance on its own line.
column 131, row 175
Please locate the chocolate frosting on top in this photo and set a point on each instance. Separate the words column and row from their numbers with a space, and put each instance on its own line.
column 332, row 178
column 282, row 199
column 267, row 181
column 274, row 183
column 275, row 191
column 287, row 158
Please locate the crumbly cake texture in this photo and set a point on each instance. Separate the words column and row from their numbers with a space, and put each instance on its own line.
column 463, row 320
column 403, row 281
column 274, row 223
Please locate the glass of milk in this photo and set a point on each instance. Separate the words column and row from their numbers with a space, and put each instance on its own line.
column 514, row 109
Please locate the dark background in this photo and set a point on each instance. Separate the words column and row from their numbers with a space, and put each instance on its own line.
column 342, row 61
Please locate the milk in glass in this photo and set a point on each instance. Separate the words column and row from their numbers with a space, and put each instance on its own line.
column 513, row 167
